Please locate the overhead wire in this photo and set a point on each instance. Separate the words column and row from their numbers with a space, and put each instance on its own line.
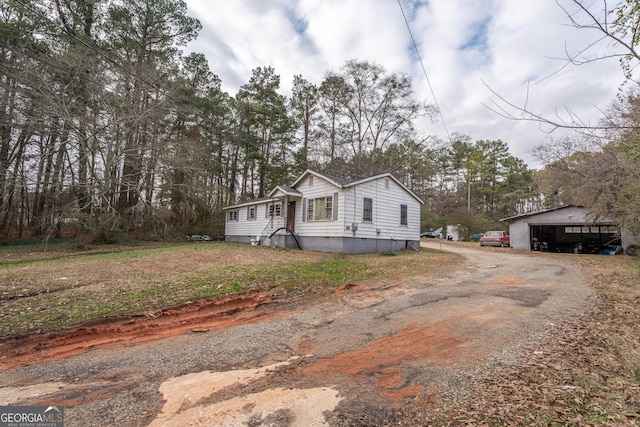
column 424, row 70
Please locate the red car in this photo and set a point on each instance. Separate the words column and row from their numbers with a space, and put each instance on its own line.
column 495, row 238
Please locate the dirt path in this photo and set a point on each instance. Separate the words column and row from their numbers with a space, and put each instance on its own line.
column 372, row 355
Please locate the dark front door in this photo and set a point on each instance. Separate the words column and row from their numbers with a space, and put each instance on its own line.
column 291, row 218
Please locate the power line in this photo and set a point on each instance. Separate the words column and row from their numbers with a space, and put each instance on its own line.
column 424, row 70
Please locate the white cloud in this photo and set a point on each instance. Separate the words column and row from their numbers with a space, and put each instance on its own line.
column 515, row 47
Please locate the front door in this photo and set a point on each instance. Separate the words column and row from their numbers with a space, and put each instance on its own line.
column 292, row 217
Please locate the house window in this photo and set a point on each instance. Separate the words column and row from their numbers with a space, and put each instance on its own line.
column 367, row 210
column 404, row 215
column 251, row 213
column 386, row 184
column 232, row 215
column 320, row 209
column 275, row 209
column 311, row 181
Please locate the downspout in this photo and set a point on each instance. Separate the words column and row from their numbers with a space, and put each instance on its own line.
column 286, row 217
column 286, row 230
column 355, row 205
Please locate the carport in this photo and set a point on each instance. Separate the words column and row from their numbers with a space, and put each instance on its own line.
column 568, row 229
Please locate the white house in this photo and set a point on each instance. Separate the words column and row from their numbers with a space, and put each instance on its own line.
column 327, row 213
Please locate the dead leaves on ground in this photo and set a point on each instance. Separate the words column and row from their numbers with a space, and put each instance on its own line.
column 587, row 373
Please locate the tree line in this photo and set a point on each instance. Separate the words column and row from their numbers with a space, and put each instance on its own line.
column 107, row 127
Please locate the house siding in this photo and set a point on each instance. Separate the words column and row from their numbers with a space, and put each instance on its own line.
column 326, row 228
column 244, row 230
column 386, row 212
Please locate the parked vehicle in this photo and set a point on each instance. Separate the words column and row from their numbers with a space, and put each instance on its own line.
column 430, row 235
column 476, row 237
column 495, row 238
column 198, row 238
column 433, row 234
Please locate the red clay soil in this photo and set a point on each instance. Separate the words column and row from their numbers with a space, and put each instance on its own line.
column 379, row 361
column 201, row 316
column 434, row 345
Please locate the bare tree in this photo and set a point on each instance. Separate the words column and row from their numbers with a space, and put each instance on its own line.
column 595, row 165
column 617, row 28
column 381, row 110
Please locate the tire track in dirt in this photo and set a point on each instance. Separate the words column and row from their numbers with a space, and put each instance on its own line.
column 201, row 316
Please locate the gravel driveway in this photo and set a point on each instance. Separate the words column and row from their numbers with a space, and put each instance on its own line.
column 366, row 355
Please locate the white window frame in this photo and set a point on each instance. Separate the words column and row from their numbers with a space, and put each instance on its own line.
column 252, row 212
column 320, row 209
column 277, row 208
column 365, row 209
column 232, row 215
column 404, row 215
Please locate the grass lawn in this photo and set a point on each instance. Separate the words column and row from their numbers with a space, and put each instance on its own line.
column 44, row 287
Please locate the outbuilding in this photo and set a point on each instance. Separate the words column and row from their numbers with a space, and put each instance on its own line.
column 568, row 229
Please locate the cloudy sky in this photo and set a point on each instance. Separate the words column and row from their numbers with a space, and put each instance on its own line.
column 517, row 48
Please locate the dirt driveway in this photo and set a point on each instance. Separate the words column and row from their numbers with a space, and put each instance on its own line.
column 367, row 355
